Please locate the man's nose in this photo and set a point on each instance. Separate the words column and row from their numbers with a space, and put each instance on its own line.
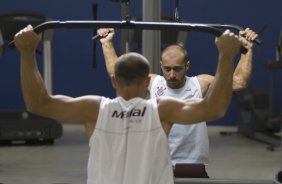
column 172, row 74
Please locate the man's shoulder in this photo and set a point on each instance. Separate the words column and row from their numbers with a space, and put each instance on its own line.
column 154, row 76
column 204, row 77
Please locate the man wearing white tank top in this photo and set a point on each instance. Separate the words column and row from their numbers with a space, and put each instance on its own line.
column 128, row 134
column 189, row 144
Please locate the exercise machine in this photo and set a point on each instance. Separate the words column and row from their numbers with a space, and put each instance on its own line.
column 19, row 126
column 256, row 108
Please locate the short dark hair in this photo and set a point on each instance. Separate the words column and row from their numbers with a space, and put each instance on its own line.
column 131, row 69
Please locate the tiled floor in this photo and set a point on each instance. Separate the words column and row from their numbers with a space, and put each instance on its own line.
column 236, row 156
column 65, row 162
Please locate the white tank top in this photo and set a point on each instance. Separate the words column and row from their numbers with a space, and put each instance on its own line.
column 188, row 143
column 129, row 145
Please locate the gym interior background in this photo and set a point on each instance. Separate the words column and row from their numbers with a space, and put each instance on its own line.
column 72, row 50
column 73, row 53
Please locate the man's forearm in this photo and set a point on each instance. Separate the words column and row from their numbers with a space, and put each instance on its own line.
column 110, row 57
column 243, row 71
column 33, row 89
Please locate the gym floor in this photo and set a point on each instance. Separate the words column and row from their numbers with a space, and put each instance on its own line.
column 231, row 157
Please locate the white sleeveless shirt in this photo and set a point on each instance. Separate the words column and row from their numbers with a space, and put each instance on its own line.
column 129, row 145
column 188, row 143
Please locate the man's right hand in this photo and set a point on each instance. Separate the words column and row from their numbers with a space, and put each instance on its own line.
column 26, row 40
column 228, row 44
column 106, row 34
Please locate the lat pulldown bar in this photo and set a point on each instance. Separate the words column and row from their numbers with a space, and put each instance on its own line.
column 233, row 27
column 128, row 25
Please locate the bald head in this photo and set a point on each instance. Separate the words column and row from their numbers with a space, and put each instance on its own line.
column 131, row 69
column 174, row 52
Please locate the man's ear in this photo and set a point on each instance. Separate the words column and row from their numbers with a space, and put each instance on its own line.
column 187, row 65
column 114, row 82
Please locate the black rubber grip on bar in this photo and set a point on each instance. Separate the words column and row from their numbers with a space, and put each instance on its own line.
column 128, row 24
column 94, row 38
column 234, row 27
column 11, row 45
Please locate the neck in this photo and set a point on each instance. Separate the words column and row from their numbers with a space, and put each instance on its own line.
column 130, row 92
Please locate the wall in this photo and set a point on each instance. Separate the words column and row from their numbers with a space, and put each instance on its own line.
column 72, row 49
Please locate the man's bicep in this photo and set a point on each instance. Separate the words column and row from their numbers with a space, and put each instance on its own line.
column 185, row 112
column 205, row 81
column 191, row 111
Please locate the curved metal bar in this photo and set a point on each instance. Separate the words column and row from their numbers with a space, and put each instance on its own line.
column 233, row 27
column 128, row 25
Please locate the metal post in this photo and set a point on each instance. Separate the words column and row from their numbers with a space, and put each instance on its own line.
column 47, row 60
column 271, row 92
column 151, row 40
column 125, row 35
